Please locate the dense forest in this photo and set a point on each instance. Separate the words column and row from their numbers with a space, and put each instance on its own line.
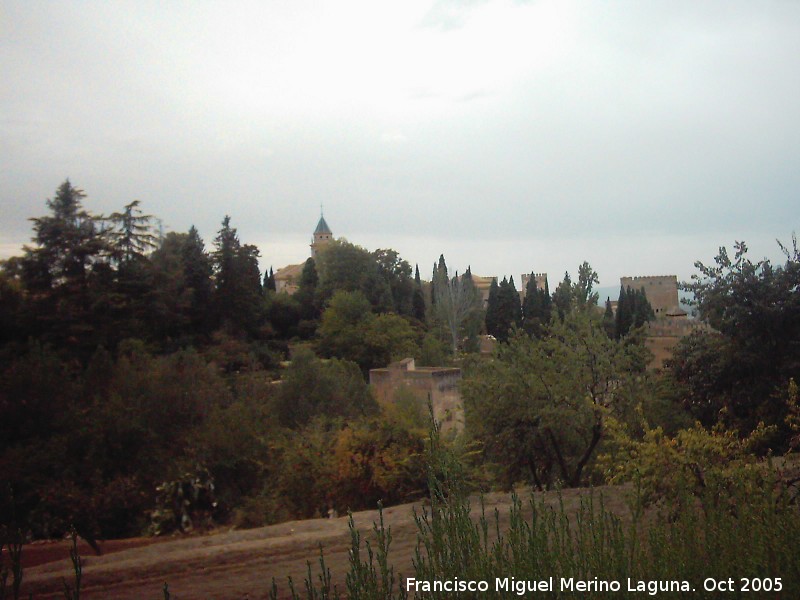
column 151, row 383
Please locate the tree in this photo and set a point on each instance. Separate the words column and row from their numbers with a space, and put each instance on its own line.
column 269, row 281
column 563, row 297
column 349, row 330
column 492, row 307
column 238, row 298
column 132, row 237
column 386, row 338
column 507, row 310
column 608, row 320
column 67, row 242
column 741, row 372
column 457, row 300
column 642, row 311
column 418, row 308
column 535, row 308
column 314, row 388
column 197, row 271
column 633, row 311
column 396, row 272
column 306, row 293
column 584, row 297
column 62, row 270
column 543, row 406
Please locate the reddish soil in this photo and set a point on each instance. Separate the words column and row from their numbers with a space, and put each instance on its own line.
column 236, row 564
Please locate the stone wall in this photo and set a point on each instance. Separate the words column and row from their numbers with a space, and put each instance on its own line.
column 439, row 384
column 663, row 335
column 661, row 290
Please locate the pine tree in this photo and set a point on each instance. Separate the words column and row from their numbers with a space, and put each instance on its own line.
column 197, row 271
column 67, row 272
column 68, row 243
column 238, row 298
column 133, row 235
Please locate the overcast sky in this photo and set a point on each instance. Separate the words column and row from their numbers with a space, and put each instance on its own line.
column 511, row 136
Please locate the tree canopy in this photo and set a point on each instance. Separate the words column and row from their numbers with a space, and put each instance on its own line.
column 740, row 372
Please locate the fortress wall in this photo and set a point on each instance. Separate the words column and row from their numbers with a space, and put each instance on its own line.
column 661, row 290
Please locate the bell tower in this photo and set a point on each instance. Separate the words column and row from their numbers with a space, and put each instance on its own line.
column 322, row 235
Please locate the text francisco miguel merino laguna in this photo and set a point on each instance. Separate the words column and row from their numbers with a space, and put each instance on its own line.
column 565, row 584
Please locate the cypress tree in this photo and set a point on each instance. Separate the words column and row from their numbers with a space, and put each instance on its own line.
column 621, row 322
column 269, row 281
column 609, row 323
column 418, row 299
column 643, row 312
column 509, row 309
column 547, row 303
column 433, row 285
column 532, row 308
column 197, row 272
column 514, row 304
column 492, row 308
column 563, row 296
column 307, row 291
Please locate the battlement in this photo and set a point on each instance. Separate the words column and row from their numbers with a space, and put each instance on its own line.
column 661, row 291
column 648, row 278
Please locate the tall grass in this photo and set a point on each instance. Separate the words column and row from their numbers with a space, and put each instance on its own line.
column 737, row 533
column 730, row 534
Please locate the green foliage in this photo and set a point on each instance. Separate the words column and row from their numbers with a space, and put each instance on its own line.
column 387, row 338
column 536, row 308
column 418, row 308
column 589, row 543
column 132, row 237
column 61, row 271
column 311, row 388
column 433, row 352
column 633, row 311
column 746, row 367
column 351, row 332
column 306, row 294
column 235, row 444
column 381, row 276
column 237, row 297
column 540, row 407
column 184, row 503
column 396, row 272
column 458, row 304
column 503, row 311
column 563, row 297
column 587, row 278
column 491, row 319
column 283, row 313
column 609, row 323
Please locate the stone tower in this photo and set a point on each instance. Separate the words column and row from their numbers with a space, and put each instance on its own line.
column 322, row 235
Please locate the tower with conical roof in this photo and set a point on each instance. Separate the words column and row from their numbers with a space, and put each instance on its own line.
column 322, row 235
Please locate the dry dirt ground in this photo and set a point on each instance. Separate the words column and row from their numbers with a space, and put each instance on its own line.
column 239, row 564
